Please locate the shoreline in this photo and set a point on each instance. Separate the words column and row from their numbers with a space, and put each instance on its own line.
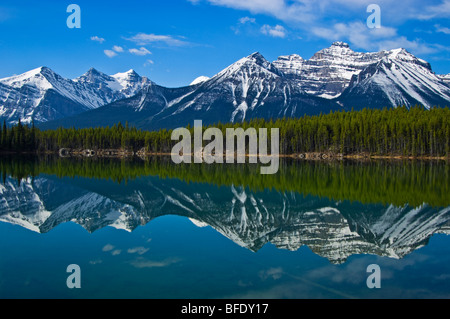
column 311, row 156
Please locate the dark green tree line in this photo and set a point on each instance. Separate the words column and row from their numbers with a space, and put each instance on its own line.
column 399, row 131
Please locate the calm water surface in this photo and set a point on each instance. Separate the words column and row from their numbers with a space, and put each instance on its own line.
column 151, row 229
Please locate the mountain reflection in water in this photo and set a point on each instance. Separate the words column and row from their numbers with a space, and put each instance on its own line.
column 401, row 204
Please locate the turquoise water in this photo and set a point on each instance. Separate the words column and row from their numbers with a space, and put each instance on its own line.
column 167, row 238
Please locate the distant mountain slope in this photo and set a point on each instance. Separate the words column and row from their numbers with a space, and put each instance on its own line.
column 397, row 79
column 41, row 95
column 335, row 78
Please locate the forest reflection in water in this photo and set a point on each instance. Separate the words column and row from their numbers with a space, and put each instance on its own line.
column 383, row 208
column 339, row 211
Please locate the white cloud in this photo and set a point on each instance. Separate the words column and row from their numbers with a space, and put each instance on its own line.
column 345, row 20
column 357, row 33
column 145, row 263
column 245, row 20
column 108, row 247
column 277, row 31
column 110, row 53
column 299, row 10
column 144, row 39
column 149, row 62
column 305, row 12
column 97, row 39
column 442, row 29
column 117, row 48
column 360, row 36
column 141, row 51
column 137, row 250
column 441, row 10
column 116, row 252
column 274, row 273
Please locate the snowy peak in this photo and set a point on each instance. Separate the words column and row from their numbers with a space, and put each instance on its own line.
column 128, row 77
column 338, row 50
column 258, row 59
column 98, row 79
column 130, row 83
column 199, row 80
column 92, row 76
column 254, row 65
column 127, row 82
column 41, row 77
column 404, row 56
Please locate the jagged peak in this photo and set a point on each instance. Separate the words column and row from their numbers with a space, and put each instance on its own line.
column 45, row 74
column 258, row 58
column 337, row 48
column 404, row 55
column 129, row 76
column 93, row 70
column 91, row 75
column 39, row 70
column 130, row 72
column 256, row 55
column 250, row 61
column 261, row 61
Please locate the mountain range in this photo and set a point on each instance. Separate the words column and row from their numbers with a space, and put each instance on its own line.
column 332, row 229
column 335, row 78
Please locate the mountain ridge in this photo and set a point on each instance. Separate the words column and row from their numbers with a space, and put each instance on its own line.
column 334, row 78
column 42, row 95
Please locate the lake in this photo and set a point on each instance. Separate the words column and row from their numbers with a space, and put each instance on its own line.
column 147, row 228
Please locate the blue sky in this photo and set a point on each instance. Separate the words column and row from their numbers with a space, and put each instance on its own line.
column 174, row 41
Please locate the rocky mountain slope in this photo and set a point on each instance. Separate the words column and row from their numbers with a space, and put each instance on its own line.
column 41, row 95
column 335, row 78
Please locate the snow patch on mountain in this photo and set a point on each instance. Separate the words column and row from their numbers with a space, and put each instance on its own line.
column 200, row 80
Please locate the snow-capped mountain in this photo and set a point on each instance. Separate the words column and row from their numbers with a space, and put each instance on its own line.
column 387, row 78
column 335, row 78
column 334, row 230
column 41, row 204
column 328, row 72
column 252, row 87
column 249, row 88
column 399, row 78
column 42, row 95
column 111, row 88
